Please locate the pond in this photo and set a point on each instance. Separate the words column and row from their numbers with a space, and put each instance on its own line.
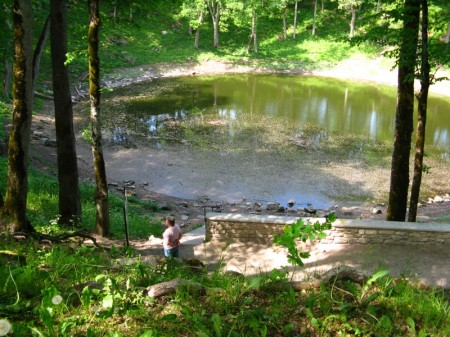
column 254, row 136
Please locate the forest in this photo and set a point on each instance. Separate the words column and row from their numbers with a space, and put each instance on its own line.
column 65, row 270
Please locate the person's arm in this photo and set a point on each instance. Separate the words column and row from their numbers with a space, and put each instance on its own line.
column 166, row 239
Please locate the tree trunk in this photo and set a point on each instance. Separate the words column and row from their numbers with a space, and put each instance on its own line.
column 314, row 18
column 323, row 6
column 352, row 21
column 398, row 193
column 39, row 51
column 197, row 32
column 422, row 99
column 254, row 30
column 69, row 194
column 253, row 34
column 295, row 18
column 214, row 9
column 19, row 139
column 8, row 78
column 101, row 193
column 284, row 24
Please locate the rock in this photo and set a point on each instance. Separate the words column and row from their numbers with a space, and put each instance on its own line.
column 8, row 257
column 281, row 209
column 291, row 203
column 183, row 204
column 346, row 273
column 376, row 210
column 310, row 210
column 171, row 287
column 272, row 206
column 291, row 210
column 182, row 225
column 165, row 207
column 430, row 201
column 50, row 142
column 257, row 204
column 184, row 217
column 438, row 199
column 423, row 218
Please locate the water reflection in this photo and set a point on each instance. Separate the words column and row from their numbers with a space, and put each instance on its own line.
column 334, row 105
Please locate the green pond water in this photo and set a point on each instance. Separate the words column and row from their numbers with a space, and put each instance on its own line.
column 262, row 137
column 333, row 105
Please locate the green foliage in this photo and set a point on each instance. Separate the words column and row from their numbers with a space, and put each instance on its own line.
column 300, row 231
column 43, row 207
column 63, row 291
column 5, row 114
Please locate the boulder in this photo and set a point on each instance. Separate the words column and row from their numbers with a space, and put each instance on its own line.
column 291, row 203
column 376, row 210
column 273, row 206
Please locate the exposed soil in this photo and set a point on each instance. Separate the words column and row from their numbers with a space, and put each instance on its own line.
column 426, row 264
column 126, row 164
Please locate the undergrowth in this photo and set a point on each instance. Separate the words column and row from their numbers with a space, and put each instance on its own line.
column 63, row 291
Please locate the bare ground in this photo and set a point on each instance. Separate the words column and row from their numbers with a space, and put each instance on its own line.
column 428, row 264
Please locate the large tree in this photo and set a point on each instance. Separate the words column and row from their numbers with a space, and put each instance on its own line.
column 398, row 194
column 69, row 195
column 422, row 100
column 101, row 193
column 19, row 139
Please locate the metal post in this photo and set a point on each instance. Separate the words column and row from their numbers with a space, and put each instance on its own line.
column 125, row 215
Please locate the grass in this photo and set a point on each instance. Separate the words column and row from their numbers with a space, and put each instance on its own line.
column 231, row 306
column 43, row 207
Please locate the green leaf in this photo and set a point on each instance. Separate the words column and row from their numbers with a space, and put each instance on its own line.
column 108, row 301
column 217, row 324
column 169, row 317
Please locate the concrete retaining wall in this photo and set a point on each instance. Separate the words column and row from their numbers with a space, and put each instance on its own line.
column 230, row 227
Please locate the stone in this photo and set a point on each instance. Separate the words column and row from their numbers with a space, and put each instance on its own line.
column 438, row 199
column 423, row 218
column 291, row 203
column 272, row 206
column 376, row 210
column 310, row 210
column 8, row 257
column 184, row 217
column 183, row 204
column 50, row 142
column 281, row 209
column 165, row 207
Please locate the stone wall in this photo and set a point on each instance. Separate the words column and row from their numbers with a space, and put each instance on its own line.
column 229, row 227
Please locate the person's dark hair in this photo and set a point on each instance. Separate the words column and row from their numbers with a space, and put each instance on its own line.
column 170, row 220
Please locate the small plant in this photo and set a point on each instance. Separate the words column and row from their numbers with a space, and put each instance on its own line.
column 300, row 231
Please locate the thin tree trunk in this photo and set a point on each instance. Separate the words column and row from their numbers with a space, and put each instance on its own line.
column 295, row 18
column 314, row 18
column 101, row 193
column 352, row 21
column 398, row 193
column 253, row 34
column 39, row 51
column 8, row 78
column 284, row 24
column 19, row 139
column 422, row 99
column 69, row 194
column 323, row 6
column 197, row 32
column 254, row 30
